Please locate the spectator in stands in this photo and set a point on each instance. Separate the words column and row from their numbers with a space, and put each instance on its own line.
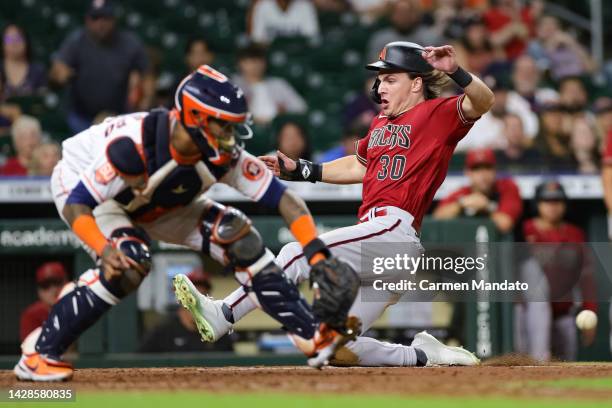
column 44, row 158
column 475, row 51
column 104, row 65
column 19, row 75
column 573, row 95
column 282, row 18
column 553, row 140
column 292, row 139
column 370, row 10
column 406, row 20
column 544, row 321
column 488, row 130
column 558, row 51
column 526, row 78
column 488, row 196
column 346, row 147
column 50, row 278
column 361, row 109
column 178, row 332
column 603, row 112
column 267, row 96
column 510, row 25
column 197, row 52
column 517, row 155
column 27, row 135
column 452, row 17
column 584, row 142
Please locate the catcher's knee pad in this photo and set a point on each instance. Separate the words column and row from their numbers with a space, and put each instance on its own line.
column 280, row 298
column 134, row 243
column 229, row 237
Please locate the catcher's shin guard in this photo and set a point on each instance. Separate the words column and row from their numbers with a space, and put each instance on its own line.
column 281, row 299
column 70, row 316
column 230, row 238
column 80, row 306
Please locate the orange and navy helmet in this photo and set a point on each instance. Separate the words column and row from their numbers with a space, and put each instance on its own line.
column 207, row 94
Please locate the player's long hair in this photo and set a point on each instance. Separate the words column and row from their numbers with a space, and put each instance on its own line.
column 433, row 83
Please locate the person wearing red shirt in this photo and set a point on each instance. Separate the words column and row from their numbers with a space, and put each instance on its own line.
column 486, row 195
column 50, row 278
column 510, row 25
column 401, row 161
column 557, row 263
column 26, row 133
column 603, row 110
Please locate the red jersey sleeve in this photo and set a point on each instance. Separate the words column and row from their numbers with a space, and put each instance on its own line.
column 530, row 234
column 452, row 123
column 361, row 148
column 510, row 201
column 454, row 197
column 31, row 318
column 607, row 153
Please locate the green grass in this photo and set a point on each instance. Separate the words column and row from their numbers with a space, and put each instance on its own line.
column 604, row 383
column 196, row 400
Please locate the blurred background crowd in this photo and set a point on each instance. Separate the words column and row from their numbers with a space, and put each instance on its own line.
column 67, row 64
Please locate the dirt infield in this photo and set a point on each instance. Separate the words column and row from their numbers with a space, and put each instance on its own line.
column 497, row 380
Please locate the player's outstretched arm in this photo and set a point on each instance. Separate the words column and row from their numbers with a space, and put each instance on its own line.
column 345, row 170
column 479, row 97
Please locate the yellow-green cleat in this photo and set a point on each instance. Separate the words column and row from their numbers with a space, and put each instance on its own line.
column 207, row 313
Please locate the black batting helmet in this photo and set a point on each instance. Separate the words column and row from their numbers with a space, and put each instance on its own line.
column 550, row 190
column 402, row 55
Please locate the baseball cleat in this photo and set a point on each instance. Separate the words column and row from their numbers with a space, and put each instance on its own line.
column 35, row 367
column 206, row 312
column 440, row 354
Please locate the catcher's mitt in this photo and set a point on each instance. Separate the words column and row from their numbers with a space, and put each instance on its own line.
column 335, row 286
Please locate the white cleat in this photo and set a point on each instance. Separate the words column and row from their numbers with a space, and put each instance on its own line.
column 439, row 354
column 207, row 313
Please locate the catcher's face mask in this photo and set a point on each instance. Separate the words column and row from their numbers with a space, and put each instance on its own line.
column 222, row 136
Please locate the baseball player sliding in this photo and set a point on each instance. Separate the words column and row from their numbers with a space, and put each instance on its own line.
column 141, row 176
column 401, row 162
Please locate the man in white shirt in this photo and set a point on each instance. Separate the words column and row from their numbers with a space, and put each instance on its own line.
column 283, row 18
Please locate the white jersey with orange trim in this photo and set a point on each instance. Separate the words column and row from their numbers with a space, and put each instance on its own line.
column 85, row 174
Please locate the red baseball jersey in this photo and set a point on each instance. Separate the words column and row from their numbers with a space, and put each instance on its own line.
column 407, row 157
column 565, row 233
column 607, row 153
column 505, row 193
column 31, row 318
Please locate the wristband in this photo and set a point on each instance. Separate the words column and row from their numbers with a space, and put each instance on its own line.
column 85, row 227
column 305, row 231
column 316, row 251
column 461, row 77
column 305, row 171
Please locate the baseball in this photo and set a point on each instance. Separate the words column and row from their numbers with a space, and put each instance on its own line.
column 586, row 320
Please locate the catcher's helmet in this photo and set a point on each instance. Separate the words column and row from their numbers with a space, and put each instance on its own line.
column 207, row 94
column 399, row 55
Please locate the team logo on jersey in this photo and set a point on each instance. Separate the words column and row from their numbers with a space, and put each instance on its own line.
column 390, row 136
column 105, row 173
column 252, row 170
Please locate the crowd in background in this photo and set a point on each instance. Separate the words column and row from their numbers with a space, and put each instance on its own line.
column 553, row 110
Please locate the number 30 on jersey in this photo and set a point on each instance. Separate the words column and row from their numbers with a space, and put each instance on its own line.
column 391, row 167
